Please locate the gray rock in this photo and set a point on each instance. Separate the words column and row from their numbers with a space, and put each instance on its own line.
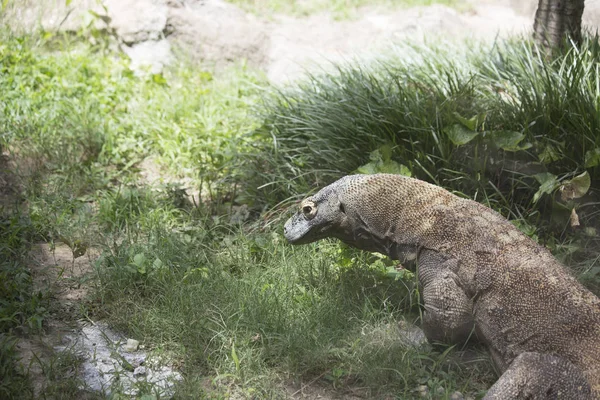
column 131, row 345
column 107, row 369
column 457, row 396
column 136, row 21
column 217, row 32
column 151, row 56
column 51, row 15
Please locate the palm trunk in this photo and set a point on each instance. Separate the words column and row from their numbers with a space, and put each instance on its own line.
column 556, row 19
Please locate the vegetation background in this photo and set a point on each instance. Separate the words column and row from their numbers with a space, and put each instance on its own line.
column 181, row 180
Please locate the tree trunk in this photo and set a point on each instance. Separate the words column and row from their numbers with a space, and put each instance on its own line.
column 557, row 19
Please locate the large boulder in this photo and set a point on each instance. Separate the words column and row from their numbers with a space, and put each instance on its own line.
column 211, row 31
column 216, row 31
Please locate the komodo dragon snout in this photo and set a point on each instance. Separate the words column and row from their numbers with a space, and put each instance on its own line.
column 478, row 275
column 318, row 217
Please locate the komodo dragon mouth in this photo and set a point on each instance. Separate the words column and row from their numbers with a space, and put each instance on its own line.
column 478, row 274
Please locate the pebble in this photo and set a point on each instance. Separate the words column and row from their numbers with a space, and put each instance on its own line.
column 132, row 345
column 457, row 396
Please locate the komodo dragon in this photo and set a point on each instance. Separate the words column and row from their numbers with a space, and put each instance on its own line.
column 476, row 269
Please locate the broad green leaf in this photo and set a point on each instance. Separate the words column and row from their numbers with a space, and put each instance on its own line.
column 550, row 153
column 387, row 167
column 368, row 169
column 157, row 264
column 576, row 187
column 509, row 140
column 548, row 183
column 375, row 155
column 386, row 152
column 68, row 2
column 392, row 167
column 139, row 259
column 381, row 162
column 592, row 158
column 470, row 123
column 460, row 135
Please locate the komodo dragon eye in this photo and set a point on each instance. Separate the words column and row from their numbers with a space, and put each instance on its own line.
column 309, row 209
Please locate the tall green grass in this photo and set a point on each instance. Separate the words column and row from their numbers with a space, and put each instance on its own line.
column 502, row 125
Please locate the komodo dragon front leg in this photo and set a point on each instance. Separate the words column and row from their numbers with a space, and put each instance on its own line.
column 448, row 314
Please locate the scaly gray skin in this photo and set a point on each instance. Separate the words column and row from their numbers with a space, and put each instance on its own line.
column 478, row 272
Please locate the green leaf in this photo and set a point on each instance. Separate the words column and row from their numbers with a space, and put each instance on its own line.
column 592, row 158
column 392, row 167
column 526, row 228
column 460, row 135
column 159, row 79
column 375, row 155
column 368, row 169
column 387, row 167
column 548, row 183
column 381, row 162
column 4, row 4
column 386, row 152
column 509, row 140
column 471, row 123
column 576, row 187
column 139, row 259
column 68, row 2
column 551, row 153
column 236, row 360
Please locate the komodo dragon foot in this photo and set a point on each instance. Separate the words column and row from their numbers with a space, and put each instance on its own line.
column 538, row 376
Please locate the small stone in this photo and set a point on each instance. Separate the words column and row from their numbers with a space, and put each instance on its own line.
column 457, row 396
column 132, row 345
column 139, row 371
column 440, row 390
column 423, row 390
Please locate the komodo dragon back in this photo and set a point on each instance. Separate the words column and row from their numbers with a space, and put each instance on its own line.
column 477, row 271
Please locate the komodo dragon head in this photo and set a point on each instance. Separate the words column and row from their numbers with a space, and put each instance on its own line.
column 355, row 209
column 369, row 212
column 320, row 216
